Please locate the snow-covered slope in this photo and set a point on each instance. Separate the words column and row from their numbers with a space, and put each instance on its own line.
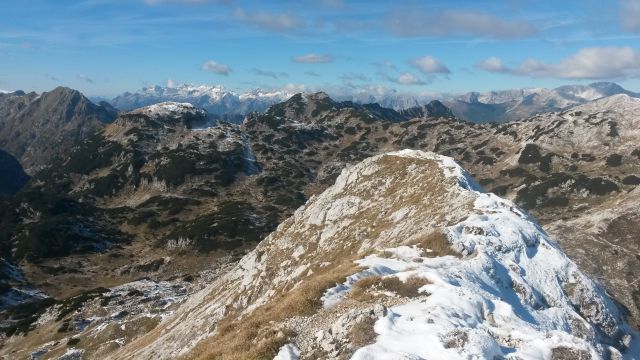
column 404, row 257
column 171, row 113
column 516, row 104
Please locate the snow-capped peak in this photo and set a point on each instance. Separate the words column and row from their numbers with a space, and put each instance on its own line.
column 168, row 109
column 169, row 114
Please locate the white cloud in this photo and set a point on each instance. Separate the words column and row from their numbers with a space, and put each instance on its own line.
column 216, row 67
column 268, row 21
column 85, row 78
column 407, row 78
column 171, row 83
column 601, row 63
column 492, row 64
column 630, row 15
column 350, row 76
column 430, row 65
column 298, row 88
column 313, row 59
column 418, row 23
column 268, row 73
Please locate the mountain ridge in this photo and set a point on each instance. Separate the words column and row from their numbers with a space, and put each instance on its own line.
column 529, row 297
column 38, row 127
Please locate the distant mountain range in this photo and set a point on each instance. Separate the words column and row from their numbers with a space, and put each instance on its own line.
column 217, row 100
column 509, row 105
column 497, row 106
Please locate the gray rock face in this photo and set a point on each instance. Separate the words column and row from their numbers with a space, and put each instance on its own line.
column 35, row 128
column 433, row 109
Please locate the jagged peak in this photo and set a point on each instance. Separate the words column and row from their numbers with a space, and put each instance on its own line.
column 434, row 108
column 63, row 90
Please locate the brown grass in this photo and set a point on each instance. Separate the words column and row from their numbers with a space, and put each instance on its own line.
column 257, row 336
column 361, row 333
column 362, row 290
column 437, row 242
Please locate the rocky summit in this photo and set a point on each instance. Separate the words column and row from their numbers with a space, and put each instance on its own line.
column 35, row 128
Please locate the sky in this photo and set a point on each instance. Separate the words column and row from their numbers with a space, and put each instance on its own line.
column 106, row 47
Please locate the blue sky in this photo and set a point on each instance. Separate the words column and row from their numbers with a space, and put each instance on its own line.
column 105, row 47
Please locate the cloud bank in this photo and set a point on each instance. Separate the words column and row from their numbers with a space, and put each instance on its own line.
column 598, row 63
column 216, row 68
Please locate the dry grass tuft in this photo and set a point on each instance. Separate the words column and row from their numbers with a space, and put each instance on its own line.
column 437, row 242
column 408, row 288
column 362, row 333
column 364, row 288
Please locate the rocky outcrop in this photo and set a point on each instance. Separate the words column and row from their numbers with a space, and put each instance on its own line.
column 433, row 109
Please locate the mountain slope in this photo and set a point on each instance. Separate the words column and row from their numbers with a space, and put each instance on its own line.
column 509, row 105
column 36, row 128
column 12, row 177
column 403, row 256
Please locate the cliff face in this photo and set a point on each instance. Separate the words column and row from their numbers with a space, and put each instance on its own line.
column 403, row 255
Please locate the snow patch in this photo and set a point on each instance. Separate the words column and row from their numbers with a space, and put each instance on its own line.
column 288, row 352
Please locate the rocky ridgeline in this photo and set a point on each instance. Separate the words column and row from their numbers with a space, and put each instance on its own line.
column 403, row 256
column 36, row 128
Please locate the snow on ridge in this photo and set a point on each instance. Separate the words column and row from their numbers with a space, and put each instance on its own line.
column 508, row 297
column 611, row 102
column 170, row 109
column 505, row 302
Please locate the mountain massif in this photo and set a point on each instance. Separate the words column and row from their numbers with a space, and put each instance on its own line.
column 510, row 105
column 217, row 100
column 35, row 128
column 154, row 224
